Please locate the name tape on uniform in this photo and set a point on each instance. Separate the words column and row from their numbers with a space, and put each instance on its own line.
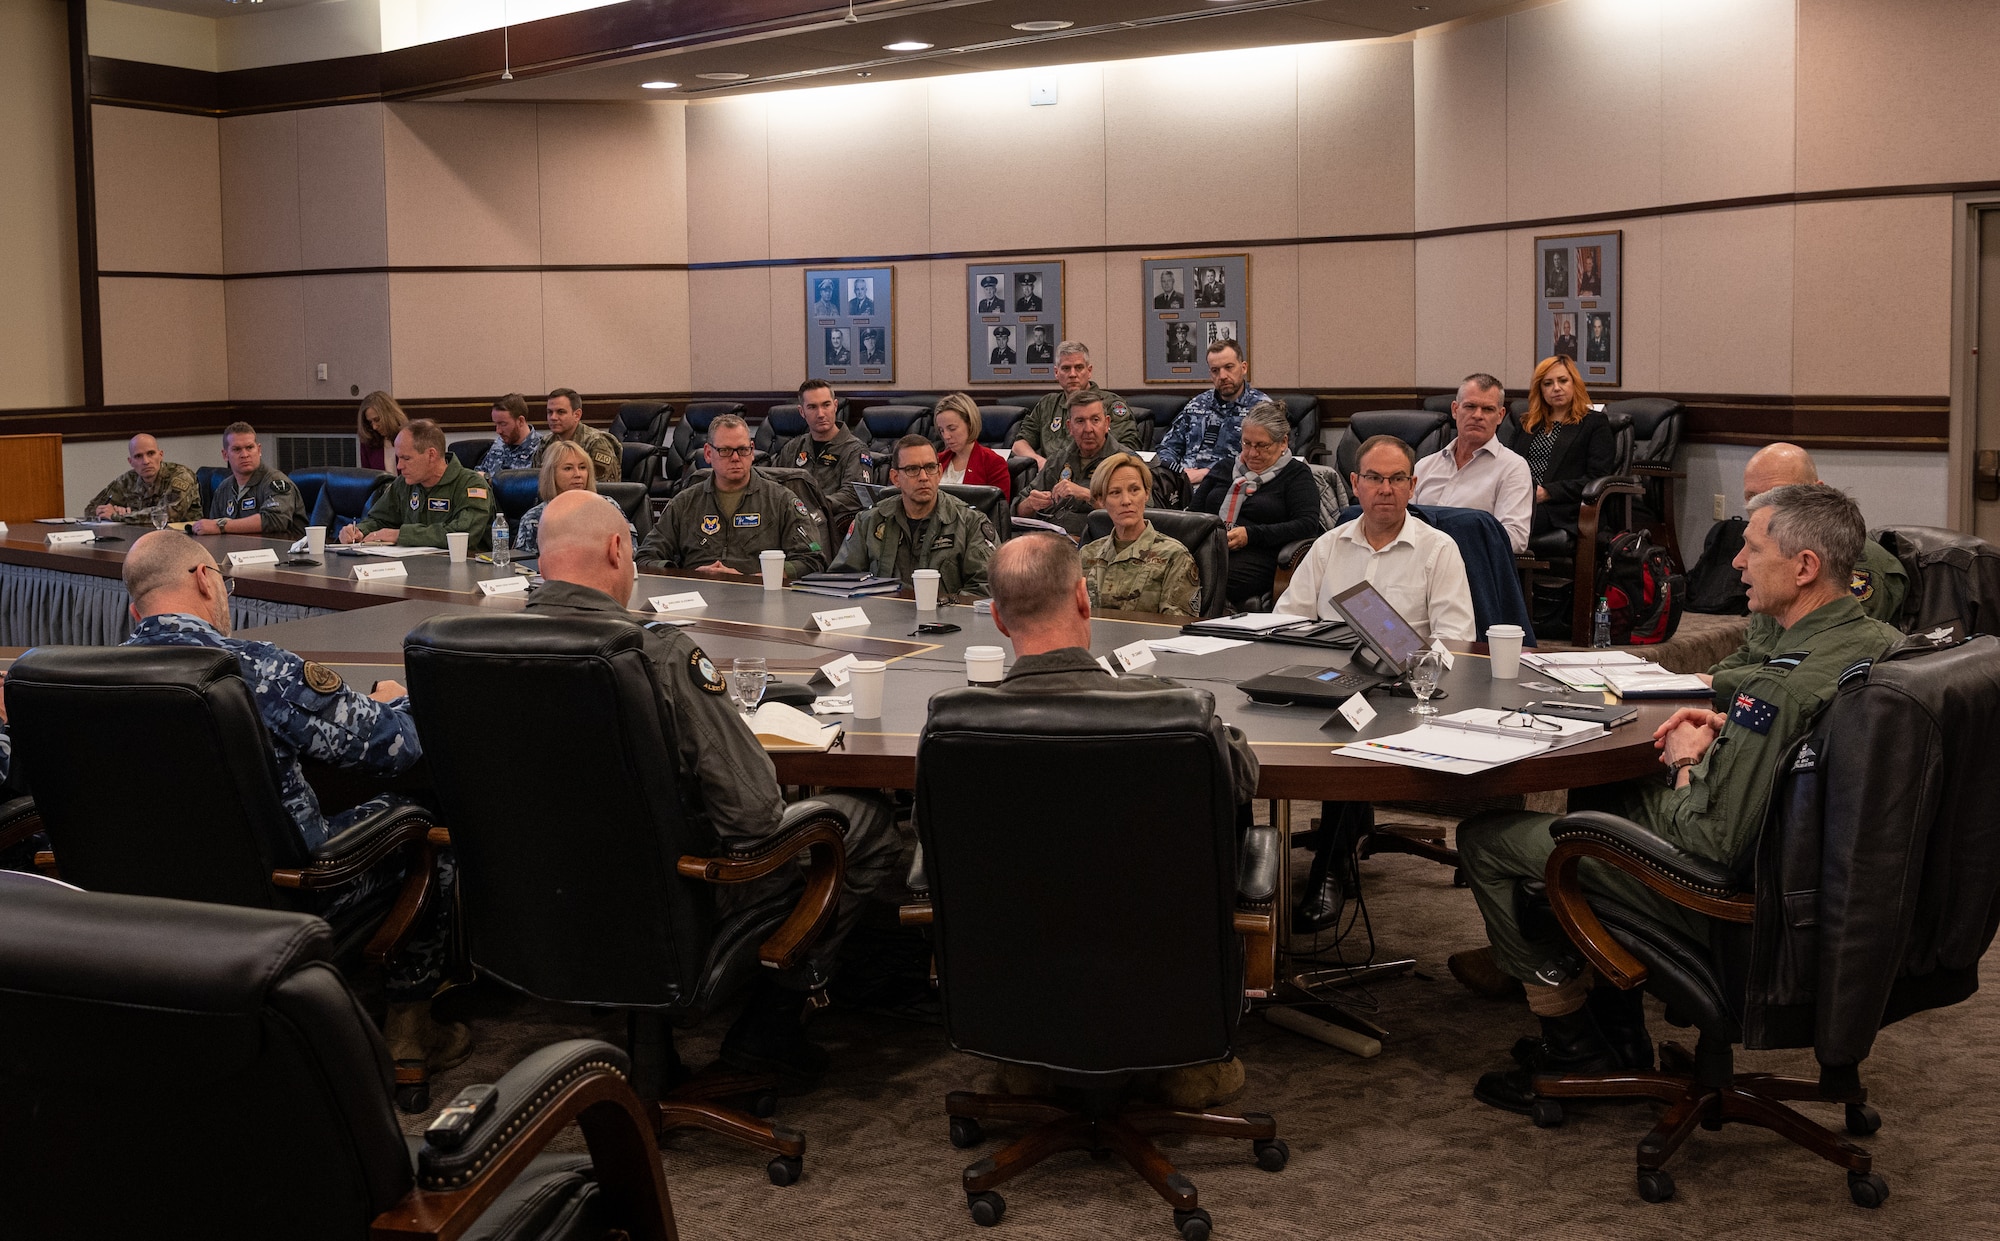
column 838, row 671
column 372, row 572
column 678, row 603
column 841, row 618
column 1357, row 712
column 513, row 584
column 263, row 555
column 1437, row 644
column 63, row 538
column 1135, row 655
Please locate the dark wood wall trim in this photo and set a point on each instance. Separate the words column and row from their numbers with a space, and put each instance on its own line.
column 83, row 155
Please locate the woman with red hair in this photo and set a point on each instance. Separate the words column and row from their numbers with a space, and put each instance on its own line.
column 1565, row 442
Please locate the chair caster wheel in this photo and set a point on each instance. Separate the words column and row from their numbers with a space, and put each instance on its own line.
column 413, row 1100
column 1867, row 1189
column 1862, row 1120
column 764, row 1106
column 986, row 1208
column 1272, row 1154
column 966, row 1133
column 1656, row 1184
column 1547, row 1114
column 1458, row 879
column 1193, row 1225
column 785, row 1170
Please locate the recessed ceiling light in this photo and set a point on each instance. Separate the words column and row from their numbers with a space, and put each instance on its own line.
column 1042, row 27
column 864, row 74
column 907, row 45
column 658, row 85
column 723, row 77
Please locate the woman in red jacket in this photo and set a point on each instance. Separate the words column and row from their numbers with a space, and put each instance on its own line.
column 965, row 459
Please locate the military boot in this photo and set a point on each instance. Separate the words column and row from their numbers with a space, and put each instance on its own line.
column 1569, row 1044
column 770, row 1037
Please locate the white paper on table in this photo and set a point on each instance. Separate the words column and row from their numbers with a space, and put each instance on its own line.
column 392, row 551
column 1195, row 644
column 1255, row 622
column 782, row 727
column 1451, row 750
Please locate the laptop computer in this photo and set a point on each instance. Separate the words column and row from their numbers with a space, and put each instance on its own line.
column 1388, row 646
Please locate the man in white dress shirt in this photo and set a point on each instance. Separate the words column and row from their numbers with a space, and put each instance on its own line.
column 1476, row 470
column 1416, row 568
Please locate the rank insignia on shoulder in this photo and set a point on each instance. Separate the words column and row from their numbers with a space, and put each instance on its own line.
column 702, row 672
column 1862, row 583
column 1857, row 671
column 1807, row 758
column 1753, row 713
column 321, row 679
column 1790, row 659
column 711, row 524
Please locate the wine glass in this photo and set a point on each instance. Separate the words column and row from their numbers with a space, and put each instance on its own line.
column 747, row 678
column 158, row 513
column 1422, row 677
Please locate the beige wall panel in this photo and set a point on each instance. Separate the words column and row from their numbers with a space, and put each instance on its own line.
column 1005, row 175
column 728, row 180
column 347, row 327
column 1460, row 136
column 787, row 358
column 1726, row 301
column 616, row 331
column 1357, row 138
column 1274, row 317
column 159, row 191
column 1517, row 366
column 1873, row 305
column 260, row 192
column 1156, row 113
column 870, row 146
column 154, row 36
column 1120, row 356
column 164, row 340
column 1727, row 98
column 41, row 344
column 1639, row 307
column 950, row 361
column 913, row 326
column 613, row 183
column 464, row 334
column 1086, row 306
column 729, row 329
column 462, row 184
column 343, row 187
column 1357, row 315
column 267, row 339
column 1896, row 94
column 1461, row 306
column 1583, row 108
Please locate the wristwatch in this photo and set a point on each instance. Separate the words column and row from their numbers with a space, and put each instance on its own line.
column 1674, row 768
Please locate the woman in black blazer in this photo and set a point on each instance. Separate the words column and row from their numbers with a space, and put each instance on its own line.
column 1267, row 499
column 1565, row 443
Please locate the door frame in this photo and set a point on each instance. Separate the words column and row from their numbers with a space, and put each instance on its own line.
column 1966, row 210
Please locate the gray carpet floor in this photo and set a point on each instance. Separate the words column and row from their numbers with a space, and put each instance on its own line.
column 1391, row 1147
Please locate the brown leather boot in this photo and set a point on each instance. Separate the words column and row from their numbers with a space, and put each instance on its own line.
column 419, row 1047
column 1480, row 973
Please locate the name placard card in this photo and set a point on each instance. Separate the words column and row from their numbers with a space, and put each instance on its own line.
column 65, row 538
column 376, row 572
column 1438, row 646
column 841, row 618
column 1106, row 665
column 1357, row 712
column 1134, row 656
column 678, row 603
column 263, row 555
column 513, row 584
column 838, row 671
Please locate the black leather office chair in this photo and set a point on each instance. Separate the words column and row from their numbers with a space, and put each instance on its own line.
column 1440, row 403
column 1423, row 430
column 1026, row 400
column 1657, row 425
column 1302, row 411
column 616, row 910
column 1206, row 539
column 690, row 434
column 344, row 495
column 185, row 1069
column 206, row 479
column 20, row 831
column 641, row 431
column 1021, row 473
column 1096, row 936
column 987, row 500
column 882, row 425
column 1573, row 558
column 631, row 497
column 470, row 452
column 1953, row 578
column 1891, row 793
column 515, row 492
column 997, row 424
column 781, row 423
column 1152, row 414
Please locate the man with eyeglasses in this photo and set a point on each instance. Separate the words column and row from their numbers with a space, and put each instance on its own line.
column 921, row 527
column 180, row 598
column 1476, row 470
column 1208, row 430
column 719, row 526
column 1044, row 431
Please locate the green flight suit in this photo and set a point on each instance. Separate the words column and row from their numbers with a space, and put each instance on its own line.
column 1880, row 582
column 698, row 529
column 1070, row 512
column 1046, row 426
column 460, row 500
column 268, row 496
column 957, row 541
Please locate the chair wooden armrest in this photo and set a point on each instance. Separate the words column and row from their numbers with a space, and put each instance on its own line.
column 810, row 827
column 1584, row 601
column 19, row 820
column 1658, row 471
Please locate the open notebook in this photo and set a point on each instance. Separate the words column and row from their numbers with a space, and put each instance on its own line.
column 1473, row 741
column 779, row 727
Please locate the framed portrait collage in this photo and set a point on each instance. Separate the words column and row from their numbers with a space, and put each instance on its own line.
column 1189, row 303
column 1014, row 318
column 1578, row 286
column 851, row 324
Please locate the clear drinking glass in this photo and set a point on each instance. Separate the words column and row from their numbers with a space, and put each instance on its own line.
column 159, row 515
column 1423, row 676
column 747, row 678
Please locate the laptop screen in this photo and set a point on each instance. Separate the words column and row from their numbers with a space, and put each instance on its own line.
column 1380, row 625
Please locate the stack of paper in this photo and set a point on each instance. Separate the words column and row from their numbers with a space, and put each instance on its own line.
column 1194, row 644
column 1653, row 681
column 1250, row 623
column 1473, row 741
column 1581, row 669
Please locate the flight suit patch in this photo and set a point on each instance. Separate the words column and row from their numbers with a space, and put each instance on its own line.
column 1807, row 758
column 321, row 679
column 441, row 505
column 1753, row 713
column 711, row 524
column 475, row 493
column 413, row 501
column 1862, row 583
column 747, row 521
column 702, row 672
column 802, row 459
column 247, row 503
column 1788, row 660
column 943, row 542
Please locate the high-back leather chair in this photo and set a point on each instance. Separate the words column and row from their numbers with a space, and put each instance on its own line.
column 690, row 434
column 515, row 492
column 1574, row 558
column 1206, row 539
column 997, row 424
column 617, row 912
column 344, row 494
column 206, row 479
column 1094, row 935
column 987, row 500
column 1953, row 577
column 1424, row 431
column 632, row 498
column 1026, row 400
column 1302, row 411
column 1440, row 403
column 882, row 425
column 641, row 430
column 1152, row 414
column 470, row 452
column 781, row 423
column 1657, row 425
column 211, row 1064
column 1867, row 898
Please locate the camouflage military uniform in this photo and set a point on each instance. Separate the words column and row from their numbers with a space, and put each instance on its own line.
column 606, row 457
column 1153, row 574
column 694, row 530
column 308, row 712
column 269, row 496
column 1046, row 426
column 422, row 516
column 526, row 455
column 957, row 541
column 833, row 465
column 527, row 531
column 1879, row 585
column 729, row 786
column 1071, row 513
column 173, row 486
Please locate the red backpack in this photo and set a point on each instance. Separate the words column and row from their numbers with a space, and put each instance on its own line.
column 1644, row 589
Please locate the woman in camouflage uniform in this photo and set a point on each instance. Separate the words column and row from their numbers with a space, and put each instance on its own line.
column 1136, row 568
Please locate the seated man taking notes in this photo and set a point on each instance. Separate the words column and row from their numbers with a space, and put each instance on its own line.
column 433, row 496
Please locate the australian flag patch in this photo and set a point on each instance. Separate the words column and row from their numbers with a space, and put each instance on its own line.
column 1753, row 713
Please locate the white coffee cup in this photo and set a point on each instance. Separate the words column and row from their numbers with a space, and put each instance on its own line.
column 315, row 541
column 864, row 681
column 926, row 582
column 458, row 542
column 1503, row 645
column 985, row 665
column 773, row 563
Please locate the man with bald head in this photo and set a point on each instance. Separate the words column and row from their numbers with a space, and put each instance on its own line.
column 1878, row 582
column 152, row 481
column 726, row 779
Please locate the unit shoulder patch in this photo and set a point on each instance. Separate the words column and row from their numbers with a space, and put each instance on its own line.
column 701, row 670
column 321, row 679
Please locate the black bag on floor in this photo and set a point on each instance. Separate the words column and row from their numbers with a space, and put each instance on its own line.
column 1644, row 592
column 1713, row 585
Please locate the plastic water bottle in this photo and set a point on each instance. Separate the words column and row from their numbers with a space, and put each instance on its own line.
column 1600, row 623
column 502, row 549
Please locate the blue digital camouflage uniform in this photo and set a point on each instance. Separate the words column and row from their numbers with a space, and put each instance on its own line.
column 1208, row 431
column 505, row 456
column 527, row 531
column 343, row 728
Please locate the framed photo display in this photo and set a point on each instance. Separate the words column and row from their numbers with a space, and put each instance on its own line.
column 1579, row 280
column 1015, row 317
column 1190, row 303
column 851, row 324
